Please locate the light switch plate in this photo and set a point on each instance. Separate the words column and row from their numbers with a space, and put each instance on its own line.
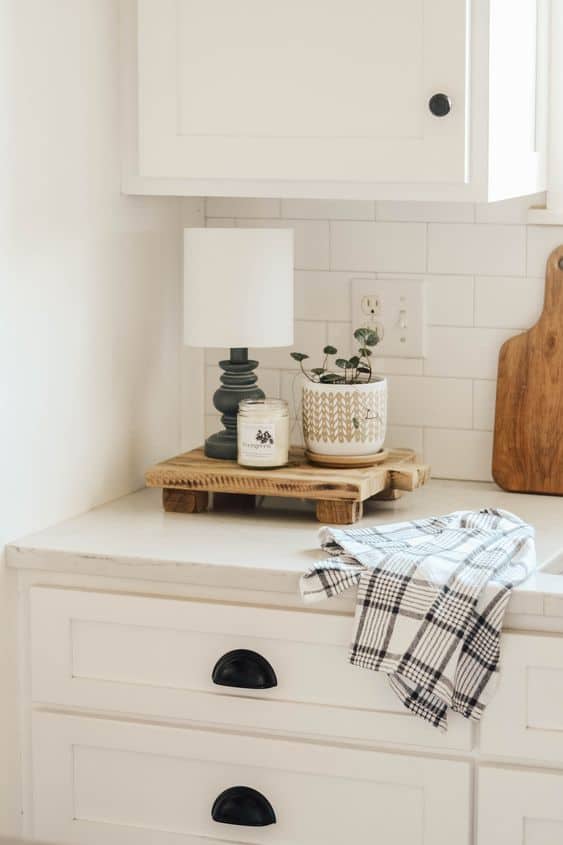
column 395, row 306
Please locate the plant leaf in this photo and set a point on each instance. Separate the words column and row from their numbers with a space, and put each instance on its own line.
column 365, row 352
column 298, row 356
column 330, row 350
column 354, row 361
column 355, row 422
column 330, row 378
column 318, row 371
column 360, row 333
column 372, row 339
column 364, row 370
column 342, row 363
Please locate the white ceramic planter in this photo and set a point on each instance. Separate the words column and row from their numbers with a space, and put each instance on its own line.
column 329, row 411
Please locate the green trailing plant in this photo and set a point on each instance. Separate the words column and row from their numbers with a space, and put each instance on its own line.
column 354, row 370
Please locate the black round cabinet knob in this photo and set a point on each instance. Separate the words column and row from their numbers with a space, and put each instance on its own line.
column 440, row 105
column 244, row 806
column 244, row 669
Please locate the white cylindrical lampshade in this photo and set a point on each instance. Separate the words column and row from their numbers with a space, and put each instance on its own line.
column 238, row 287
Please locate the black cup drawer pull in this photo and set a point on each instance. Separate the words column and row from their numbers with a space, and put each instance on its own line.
column 244, row 669
column 243, row 805
column 440, row 105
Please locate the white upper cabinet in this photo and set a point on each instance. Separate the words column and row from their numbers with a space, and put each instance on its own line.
column 410, row 99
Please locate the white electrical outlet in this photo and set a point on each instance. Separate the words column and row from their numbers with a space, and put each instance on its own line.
column 395, row 307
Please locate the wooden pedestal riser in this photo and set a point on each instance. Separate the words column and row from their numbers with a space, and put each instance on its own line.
column 188, row 479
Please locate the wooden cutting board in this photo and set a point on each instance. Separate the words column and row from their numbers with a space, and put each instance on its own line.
column 528, row 441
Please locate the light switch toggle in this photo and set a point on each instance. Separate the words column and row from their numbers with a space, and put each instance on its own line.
column 403, row 318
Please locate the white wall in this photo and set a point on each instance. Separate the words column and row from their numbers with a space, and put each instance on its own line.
column 484, row 267
column 89, row 297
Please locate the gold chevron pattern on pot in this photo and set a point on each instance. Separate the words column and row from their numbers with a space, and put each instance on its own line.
column 329, row 416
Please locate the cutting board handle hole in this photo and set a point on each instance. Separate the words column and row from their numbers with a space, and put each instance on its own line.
column 560, row 263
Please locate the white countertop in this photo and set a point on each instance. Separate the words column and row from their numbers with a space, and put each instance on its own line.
column 268, row 549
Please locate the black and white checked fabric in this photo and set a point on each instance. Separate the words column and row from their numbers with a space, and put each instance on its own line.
column 430, row 603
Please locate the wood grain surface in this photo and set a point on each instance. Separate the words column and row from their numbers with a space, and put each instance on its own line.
column 193, row 473
column 528, row 438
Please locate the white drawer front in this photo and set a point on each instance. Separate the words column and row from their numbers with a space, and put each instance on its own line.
column 519, row 807
column 155, row 656
column 525, row 717
column 98, row 781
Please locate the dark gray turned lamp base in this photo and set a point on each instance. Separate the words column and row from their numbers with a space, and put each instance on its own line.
column 237, row 382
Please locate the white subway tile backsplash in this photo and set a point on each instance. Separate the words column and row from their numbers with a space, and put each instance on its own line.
column 322, row 295
column 340, row 336
column 311, row 240
column 296, row 434
column 212, row 423
column 383, row 247
column 242, row 207
column 270, row 382
column 433, row 402
column 484, row 395
column 352, row 246
column 309, row 337
column 211, row 383
column 398, row 366
column 328, row 209
column 541, row 241
column 449, row 300
column 404, row 437
column 459, row 454
column 463, row 353
column 484, row 270
column 478, row 249
column 425, row 212
column 401, row 247
column 291, row 385
column 512, row 302
column 212, row 355
column 507, row 211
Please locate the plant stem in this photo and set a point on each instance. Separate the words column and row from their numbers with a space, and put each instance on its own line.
column 304, row 371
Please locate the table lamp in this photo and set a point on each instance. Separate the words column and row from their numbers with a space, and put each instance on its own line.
column 238, row 293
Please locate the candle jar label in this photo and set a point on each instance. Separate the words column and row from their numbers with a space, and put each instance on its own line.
column 263, row 433
column 257, row 442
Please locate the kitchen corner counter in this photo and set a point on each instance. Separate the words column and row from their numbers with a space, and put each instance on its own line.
column 267, row 550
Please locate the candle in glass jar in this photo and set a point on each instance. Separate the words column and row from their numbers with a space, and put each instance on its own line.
column 263, row 433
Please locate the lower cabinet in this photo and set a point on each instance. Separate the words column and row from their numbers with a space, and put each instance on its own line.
column 525, row 716
column 156, row 657
column 519, row 807
column 99, row 781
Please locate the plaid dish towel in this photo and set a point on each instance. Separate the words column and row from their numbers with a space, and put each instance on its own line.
column 430, row 603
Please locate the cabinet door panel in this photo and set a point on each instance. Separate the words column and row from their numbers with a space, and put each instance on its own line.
column 519, row 807
column 101, row 781
column 326, row 90
column 525, row 716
